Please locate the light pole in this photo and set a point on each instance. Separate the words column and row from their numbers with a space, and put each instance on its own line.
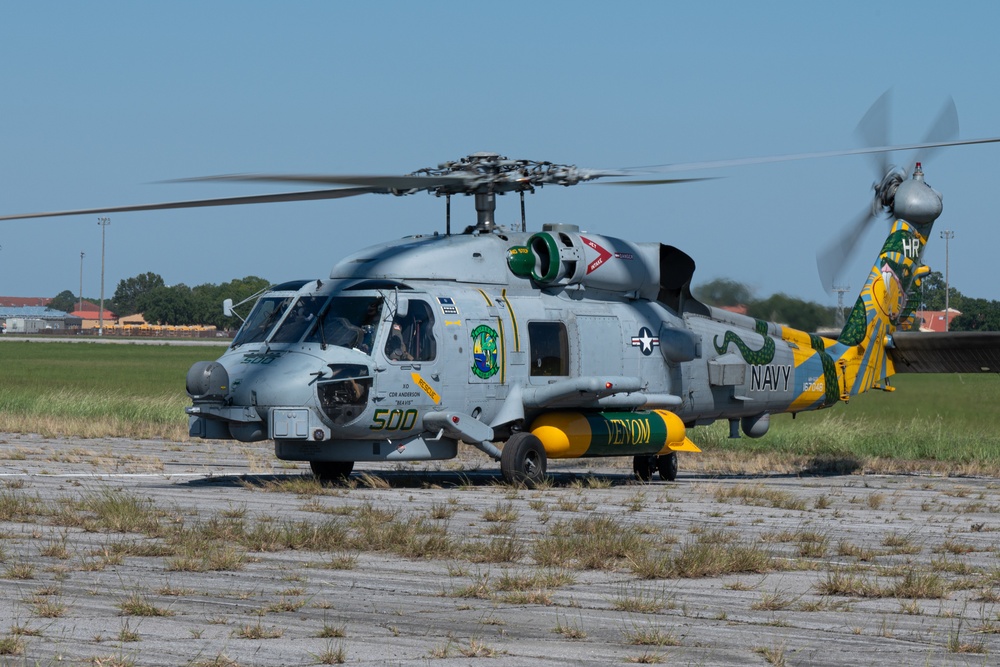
column 103, row 222
column 79, row 304
column 947, row 235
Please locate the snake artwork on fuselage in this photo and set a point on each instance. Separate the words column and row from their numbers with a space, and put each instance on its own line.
column 757, row 357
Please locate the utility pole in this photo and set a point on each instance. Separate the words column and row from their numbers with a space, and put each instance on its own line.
column 79, row 304
column 103, row 222
column 947, row 235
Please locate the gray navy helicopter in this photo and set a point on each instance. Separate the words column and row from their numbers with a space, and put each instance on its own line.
column 558, row 343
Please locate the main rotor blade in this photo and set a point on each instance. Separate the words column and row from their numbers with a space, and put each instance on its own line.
column 372, row 181
column 660, row 181
column 718, row 164
column 226, row 201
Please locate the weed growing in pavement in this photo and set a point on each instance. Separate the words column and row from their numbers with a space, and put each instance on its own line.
column 898, row 544
column 713, row 555
column 127, row 634
column 911, row 585
column 596, row 542
column 12, row 645
column 332, row 654
column 257, row 631
column 648, row 635
column 647, row 658
column 569, row 630
column 329, row 631
column 19, row 571
column 502, row 512
column 773, row 601
column 639, row 600
column 499, row 549
column 758, row 494
column 136, row 604
column 773, row 655
column 48, row 607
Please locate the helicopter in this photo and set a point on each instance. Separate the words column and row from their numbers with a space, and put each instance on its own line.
column 557, row 343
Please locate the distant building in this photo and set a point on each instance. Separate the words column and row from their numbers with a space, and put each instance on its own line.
column 90, row 314
column 35, row 319
column 22, row 301
column 934, row 320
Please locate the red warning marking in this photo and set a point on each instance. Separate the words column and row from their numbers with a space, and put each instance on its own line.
column 602, row 255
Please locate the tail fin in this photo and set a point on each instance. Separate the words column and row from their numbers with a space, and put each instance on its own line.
column 860, row 353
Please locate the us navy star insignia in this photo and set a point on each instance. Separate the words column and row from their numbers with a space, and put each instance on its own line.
column 645, row 341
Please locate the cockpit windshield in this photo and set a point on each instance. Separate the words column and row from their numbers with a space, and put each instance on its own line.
column 301, row 316
column 262, row 319
column 348, row 321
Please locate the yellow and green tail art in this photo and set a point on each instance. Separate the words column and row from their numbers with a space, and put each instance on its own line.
column 860, row 352
column 828, row 371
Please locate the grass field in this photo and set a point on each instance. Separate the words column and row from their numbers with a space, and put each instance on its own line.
column 91, row 390
column 948, row 418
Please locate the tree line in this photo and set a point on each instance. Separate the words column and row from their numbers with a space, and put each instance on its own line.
column 182, row 305
column 977, row 314
column 159, row 303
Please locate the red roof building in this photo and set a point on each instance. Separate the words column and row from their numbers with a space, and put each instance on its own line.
column 23, row 301
column 934, row 320
column 91, row 315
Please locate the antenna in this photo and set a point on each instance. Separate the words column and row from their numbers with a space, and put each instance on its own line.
column 840, row 290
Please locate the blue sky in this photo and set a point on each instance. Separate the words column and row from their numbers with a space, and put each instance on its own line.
column 100, row 101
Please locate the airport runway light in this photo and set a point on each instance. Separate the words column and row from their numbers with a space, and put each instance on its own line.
column 103, row 222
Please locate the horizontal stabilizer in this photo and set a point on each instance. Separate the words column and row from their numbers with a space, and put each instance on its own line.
column 950, row 352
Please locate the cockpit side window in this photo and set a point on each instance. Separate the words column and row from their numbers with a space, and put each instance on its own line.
column 262, row 319
column 348, row 321
column 411, row 337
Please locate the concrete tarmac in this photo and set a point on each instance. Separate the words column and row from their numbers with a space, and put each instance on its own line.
column 856, row 569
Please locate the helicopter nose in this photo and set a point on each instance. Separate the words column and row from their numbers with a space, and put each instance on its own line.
column 207, row 381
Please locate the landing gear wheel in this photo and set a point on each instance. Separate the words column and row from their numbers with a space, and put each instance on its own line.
column 332, row 471
column 667, row 465
column 643, row 467
column 522, row 460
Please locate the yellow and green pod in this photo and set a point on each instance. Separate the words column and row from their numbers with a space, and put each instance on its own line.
column 568, row 435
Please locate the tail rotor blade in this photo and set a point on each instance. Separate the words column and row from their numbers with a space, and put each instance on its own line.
column 944, row 128
column 833, row 257
column 873, row 130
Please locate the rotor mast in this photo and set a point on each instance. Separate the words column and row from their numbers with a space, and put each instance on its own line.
column 486, row 208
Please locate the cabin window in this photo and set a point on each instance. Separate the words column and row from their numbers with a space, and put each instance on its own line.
column 549, row 348
column 411, row 336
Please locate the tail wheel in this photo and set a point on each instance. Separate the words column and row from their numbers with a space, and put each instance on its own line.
column 667, row 465
column 522, row 460
column 643, row 467
column 332, row 471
